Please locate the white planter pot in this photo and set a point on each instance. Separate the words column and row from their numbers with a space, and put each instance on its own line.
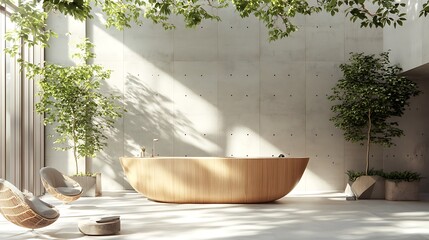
column 91, row 185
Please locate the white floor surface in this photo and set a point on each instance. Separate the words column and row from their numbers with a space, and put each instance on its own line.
column 327, row 216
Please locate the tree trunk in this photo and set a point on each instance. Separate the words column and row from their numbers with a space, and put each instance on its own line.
column 75, row 158
column 368, row 143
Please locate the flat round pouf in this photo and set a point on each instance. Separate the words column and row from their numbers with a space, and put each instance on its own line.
column 94, row 228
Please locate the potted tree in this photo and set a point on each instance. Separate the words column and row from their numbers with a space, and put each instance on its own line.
column 71, row 101
column 365, row 100
column 402, row 186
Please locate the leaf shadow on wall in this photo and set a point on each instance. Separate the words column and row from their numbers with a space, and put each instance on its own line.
column 152, row 115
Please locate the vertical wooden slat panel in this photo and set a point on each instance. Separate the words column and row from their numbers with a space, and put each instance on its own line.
column 2, row 98
column 38, row 133
column 22, row 153
column 32, row 136
column 25, row 145
column 16, row 127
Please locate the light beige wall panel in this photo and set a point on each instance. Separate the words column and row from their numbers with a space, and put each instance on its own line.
column 324, row 19
column 327, row 159
column 407, row 41
column 198, row 137
column 425, row 33
column 196, row 44
column 289, row 49
column 282, row 134
column 240, row 136
column 70, row 32
column 149, row 42
column 354, row 156
column 195, row 99
column 115, row 84
column 108, row 41
column 325, row 174
column 238, row 39
column 282, row 88
column 195, row 87
column 325, row 43
column 109, row 53
column 282, row 110
column 150, row 112
column 107, row 161
column 238, row 87
column 367, row 40
column 320, row 78
column 324, row 143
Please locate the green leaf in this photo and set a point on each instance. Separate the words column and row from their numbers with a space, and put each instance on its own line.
column 71, row 100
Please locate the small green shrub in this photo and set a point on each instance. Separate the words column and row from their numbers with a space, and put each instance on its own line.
column 405, row 176
column 353, row 175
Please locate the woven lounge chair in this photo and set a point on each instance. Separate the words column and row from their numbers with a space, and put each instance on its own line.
column 59, row 185
column 28, row 212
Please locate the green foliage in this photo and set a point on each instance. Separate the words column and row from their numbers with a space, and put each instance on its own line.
column 30, row 28
column 71, row 101
column 78, row 9
column 353, row 175
column 120, row 14
column 367, row 97
column 277, row 15
column 405, row 176
column 371, row 84
column 387, row 12
column 425, row 10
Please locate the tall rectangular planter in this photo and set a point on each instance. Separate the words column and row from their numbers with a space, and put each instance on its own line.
column 91, row 185
column 402, row 191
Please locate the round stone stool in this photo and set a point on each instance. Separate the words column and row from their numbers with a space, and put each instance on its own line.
column 100, row 226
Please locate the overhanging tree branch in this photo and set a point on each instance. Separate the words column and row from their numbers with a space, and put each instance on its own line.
column 277, row 16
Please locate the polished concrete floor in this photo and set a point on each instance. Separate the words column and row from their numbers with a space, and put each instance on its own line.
column 327, row 216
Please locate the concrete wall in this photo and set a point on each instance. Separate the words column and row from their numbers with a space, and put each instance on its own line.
column 409, row 44
column 409, row 47
column 223, row 90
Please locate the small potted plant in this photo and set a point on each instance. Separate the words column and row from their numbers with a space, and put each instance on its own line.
column 367, row 102
column 71, row 101
column 402, row 186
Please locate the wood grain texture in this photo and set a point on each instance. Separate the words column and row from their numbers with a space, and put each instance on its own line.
column 16, row 210
column 213, row 180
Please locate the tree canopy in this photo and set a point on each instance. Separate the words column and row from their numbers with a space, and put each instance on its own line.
column 368, row 97
column 277, row 15
column 71, row 101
